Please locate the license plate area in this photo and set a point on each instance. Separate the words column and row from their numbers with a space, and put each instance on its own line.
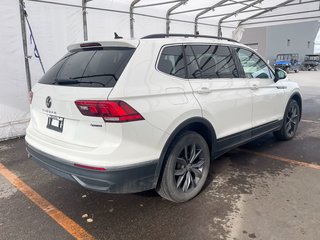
column 55, row 123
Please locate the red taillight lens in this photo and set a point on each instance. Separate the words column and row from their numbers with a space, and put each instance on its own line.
column 30, row 96
column 110, row 111
column 89, row 167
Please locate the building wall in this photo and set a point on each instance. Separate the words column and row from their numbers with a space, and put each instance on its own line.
column 274, row 39
column 256, row 36
column 299, row 35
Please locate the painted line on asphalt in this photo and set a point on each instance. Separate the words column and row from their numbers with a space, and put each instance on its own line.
column 310, row 121
column 283, row 159
column 68, row 224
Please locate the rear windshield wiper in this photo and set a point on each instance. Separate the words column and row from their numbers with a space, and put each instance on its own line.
column 72, row 81
column 97, row 75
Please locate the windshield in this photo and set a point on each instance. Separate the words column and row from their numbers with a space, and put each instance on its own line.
column 287, row 57
column 312, row 58
column 89, row 68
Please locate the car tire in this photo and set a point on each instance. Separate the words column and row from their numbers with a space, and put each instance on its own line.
column 287, row 70
column 290, row 121
column 186, row 169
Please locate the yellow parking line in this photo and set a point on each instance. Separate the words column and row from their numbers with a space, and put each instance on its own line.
column 287, row 160
column 68, row 224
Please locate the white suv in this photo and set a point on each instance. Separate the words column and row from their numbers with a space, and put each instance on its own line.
column 125, row 116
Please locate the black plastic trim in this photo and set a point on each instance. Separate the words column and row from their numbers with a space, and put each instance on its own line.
column 131, row 179
column 164, row 35
column 227, row 143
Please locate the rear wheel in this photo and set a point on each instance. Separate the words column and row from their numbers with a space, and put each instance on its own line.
column 186, row 168
column 296, row 71
column 290, row 122
column 287, row 70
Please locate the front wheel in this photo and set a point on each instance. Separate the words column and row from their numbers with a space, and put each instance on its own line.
column 186, row 169
column 290, row 121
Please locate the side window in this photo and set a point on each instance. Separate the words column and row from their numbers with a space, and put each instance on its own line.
column 214, row 61
column 171, row 61
column 192, row 63
column 253, row 66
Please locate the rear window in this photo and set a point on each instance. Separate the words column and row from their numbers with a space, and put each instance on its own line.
column 89, row 68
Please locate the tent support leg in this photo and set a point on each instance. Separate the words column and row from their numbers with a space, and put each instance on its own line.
column 134, row 2
column 24, row 42
column 84, row 19
column 182, row 2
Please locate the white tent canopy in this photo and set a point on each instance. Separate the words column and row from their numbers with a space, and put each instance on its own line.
column 58, row 23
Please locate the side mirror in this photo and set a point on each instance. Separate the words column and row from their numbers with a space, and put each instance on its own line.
column 279, row 74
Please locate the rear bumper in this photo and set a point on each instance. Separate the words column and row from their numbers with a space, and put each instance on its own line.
column 128, row 179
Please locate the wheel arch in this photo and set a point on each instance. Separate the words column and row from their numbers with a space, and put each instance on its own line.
column 196, row 124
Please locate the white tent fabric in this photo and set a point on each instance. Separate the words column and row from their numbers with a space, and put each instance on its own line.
column 13, row 94
column 56, row 26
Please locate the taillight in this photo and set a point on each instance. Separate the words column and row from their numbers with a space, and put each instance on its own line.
column 30, row 96
column 110, row 111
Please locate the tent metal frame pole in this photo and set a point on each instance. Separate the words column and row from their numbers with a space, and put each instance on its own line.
column 181, row 2
column 204, row 8
column 122, row 12
column 212, row 8
column 156, row 4
column 24, row 42
column 84, row 19
column 245, row 4
column 235, row 13
column 257, row 10
column 133, row 3
column 277, row 15
column 282, row 20
column 265, row 11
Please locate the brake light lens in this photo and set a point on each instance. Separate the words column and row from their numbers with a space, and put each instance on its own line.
column 30, row 95
column 90, row 44
column 110, row 111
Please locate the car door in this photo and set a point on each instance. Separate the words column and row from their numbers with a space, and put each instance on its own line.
column 268, row 95
column 225, row 99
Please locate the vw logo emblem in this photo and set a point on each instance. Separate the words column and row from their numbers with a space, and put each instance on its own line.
column 48, row 102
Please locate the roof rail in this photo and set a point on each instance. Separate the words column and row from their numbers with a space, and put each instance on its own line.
column 164, row 35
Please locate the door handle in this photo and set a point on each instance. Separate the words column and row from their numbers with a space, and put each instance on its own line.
column 254, row 87
column 204, row 90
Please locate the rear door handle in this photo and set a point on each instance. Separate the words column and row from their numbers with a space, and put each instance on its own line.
column 204, row 90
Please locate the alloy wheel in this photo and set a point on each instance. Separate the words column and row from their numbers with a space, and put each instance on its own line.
column 189, row 167
column 292, row 120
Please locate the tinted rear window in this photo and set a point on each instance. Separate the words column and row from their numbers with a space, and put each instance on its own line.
column 89, row 68
column 171, row 61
